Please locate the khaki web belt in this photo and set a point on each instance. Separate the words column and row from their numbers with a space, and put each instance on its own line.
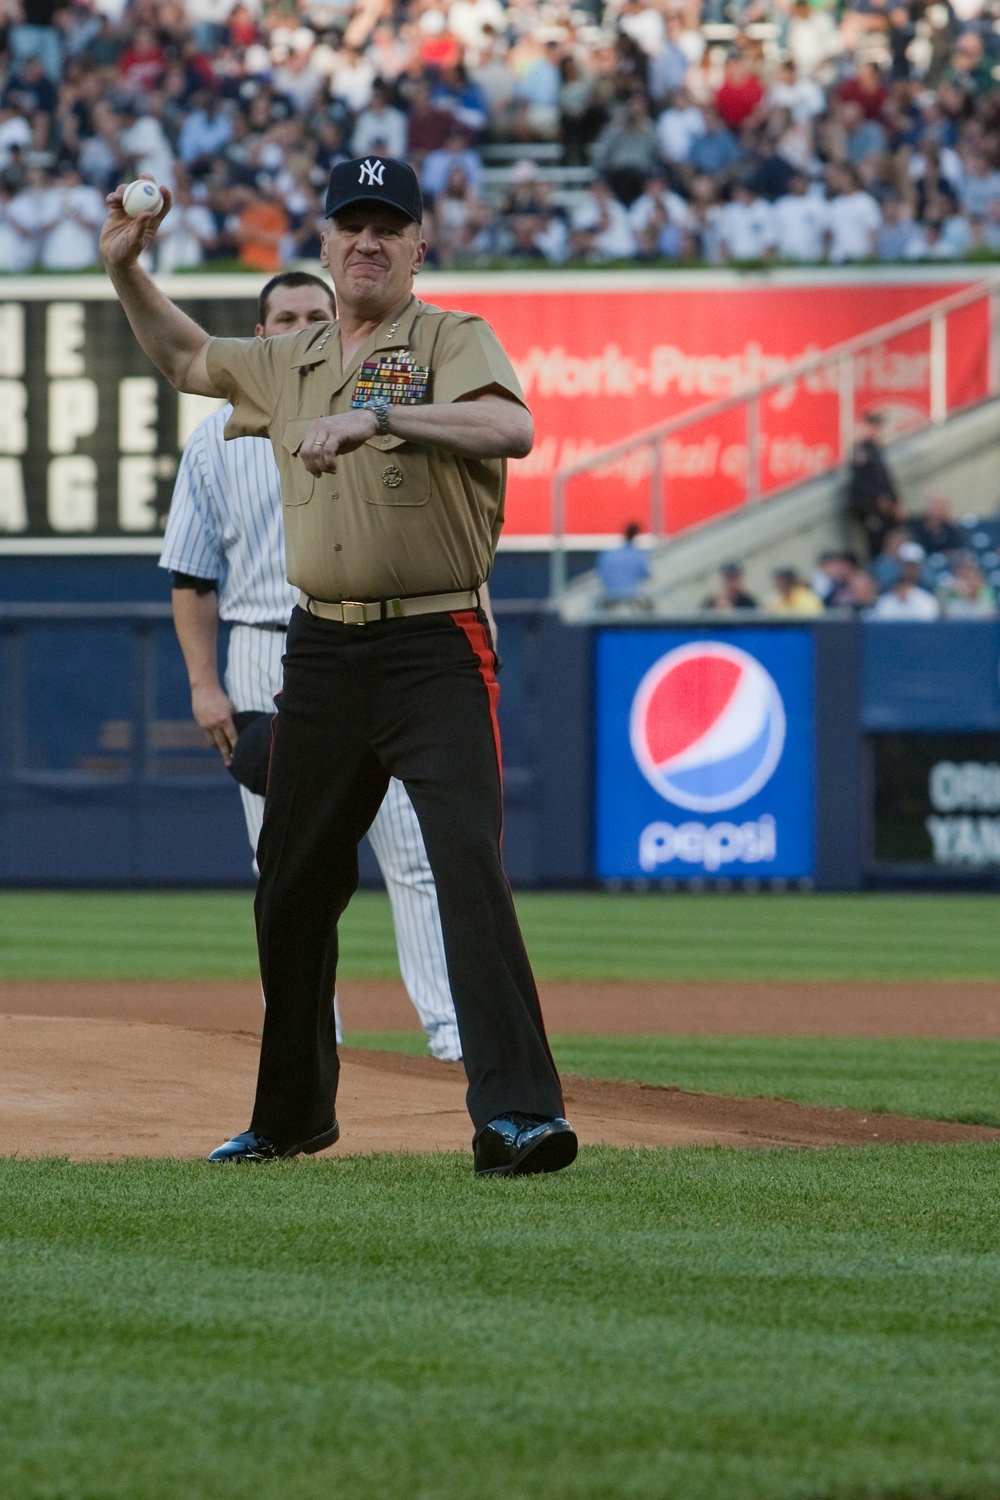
column 366, row 612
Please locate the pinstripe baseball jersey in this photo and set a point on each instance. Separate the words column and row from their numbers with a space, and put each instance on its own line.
column 241, row 546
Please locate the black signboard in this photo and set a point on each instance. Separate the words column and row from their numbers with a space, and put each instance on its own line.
column 937, row 801
column 90, row 433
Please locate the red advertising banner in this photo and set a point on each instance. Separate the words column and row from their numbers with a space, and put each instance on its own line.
column 90, row 435
column 600, row 362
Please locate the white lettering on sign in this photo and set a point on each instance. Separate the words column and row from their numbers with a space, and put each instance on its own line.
column 711, row 845
column 191, row 410
column 137, row 493
column 138, row 410
column 965, row 840
column 73, row 411
column 11, row 338
column 13, row 416
column 667, row 368
column 65, row 331
column 72, row 493
column 13, row 510
column 972, row 785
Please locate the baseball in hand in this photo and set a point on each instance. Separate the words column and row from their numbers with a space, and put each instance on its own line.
column 141, row 197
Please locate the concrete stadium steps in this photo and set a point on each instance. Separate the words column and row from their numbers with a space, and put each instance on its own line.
column 957, row 459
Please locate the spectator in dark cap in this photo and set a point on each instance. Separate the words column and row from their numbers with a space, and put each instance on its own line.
column 873, row 498
column 731, row 594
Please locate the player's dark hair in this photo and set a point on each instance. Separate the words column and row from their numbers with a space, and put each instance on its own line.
column 292, row 279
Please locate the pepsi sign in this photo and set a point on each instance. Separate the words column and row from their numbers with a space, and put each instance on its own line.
column 705, row 754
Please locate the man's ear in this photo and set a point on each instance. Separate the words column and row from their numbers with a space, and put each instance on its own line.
column 419, row 255
column 324, row 259
column 258, row 332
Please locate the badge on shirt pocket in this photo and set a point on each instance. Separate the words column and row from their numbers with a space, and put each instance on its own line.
column 395, row 378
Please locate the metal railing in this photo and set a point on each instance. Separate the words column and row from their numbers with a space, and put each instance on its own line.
column 840, row 361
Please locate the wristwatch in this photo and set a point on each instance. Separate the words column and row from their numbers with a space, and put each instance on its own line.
column 381, row 410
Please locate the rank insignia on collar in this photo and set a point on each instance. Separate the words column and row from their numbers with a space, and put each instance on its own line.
column 392, row 477
column 395, row 378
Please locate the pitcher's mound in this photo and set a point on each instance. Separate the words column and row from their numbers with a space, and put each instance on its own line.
column 100, row 1090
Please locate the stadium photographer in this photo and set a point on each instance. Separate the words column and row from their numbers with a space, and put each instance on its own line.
column 391, row 428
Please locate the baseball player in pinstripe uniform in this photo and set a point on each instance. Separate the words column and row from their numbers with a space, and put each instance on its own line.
column 224, row 546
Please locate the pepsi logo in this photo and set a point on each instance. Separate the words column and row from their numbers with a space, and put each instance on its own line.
column 707, row 726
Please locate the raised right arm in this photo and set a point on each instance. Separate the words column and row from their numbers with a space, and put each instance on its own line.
column 172, row 340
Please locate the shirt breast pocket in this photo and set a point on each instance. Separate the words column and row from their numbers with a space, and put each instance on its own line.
column 297, row 484
column 395, row 472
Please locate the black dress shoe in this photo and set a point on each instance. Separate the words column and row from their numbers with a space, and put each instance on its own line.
column 253, row 1147
column 514, row 1145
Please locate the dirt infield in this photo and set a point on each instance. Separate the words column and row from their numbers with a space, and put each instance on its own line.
column 954, row 1009
column 98, row 1072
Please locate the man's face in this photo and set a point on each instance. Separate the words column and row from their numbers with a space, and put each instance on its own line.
column 292, row 308
column 373, row 253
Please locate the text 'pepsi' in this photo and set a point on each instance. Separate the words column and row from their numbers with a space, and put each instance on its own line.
column 710, row 845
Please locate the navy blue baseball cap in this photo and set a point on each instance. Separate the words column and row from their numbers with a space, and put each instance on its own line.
column 376, row 179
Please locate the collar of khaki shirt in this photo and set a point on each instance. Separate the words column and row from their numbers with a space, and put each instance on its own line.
column 392, row 333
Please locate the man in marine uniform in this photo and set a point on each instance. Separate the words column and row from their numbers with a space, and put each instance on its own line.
column 391, row 428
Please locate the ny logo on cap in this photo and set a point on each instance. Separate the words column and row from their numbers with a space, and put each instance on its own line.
column 372, row 173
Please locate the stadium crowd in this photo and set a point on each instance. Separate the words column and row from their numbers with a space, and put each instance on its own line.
column 907, row 565
column 931, row 567
column 544, row 131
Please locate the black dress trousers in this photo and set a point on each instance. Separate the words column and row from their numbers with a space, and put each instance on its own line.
column 415, row 699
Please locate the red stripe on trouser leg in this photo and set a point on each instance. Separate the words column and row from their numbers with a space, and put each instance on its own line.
column 475, row 633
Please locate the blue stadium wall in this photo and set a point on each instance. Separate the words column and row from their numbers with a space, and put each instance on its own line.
column 103, row 781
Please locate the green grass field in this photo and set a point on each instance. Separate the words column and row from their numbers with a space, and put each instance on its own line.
column 580, row 936
column 698, row 1325
column 683, row 1325
column 937, row 1080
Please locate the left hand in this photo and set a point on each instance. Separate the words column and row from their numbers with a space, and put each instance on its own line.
column 328, row 437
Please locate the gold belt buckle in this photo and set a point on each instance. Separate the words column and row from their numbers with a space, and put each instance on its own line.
column 348, row 615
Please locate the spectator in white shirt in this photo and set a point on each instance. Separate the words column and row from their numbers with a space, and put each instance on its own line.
column 380, row 127
column 800, row 220
column 802, row 97
column 600, row 228
column 14, row 131
column 71, row 245
column 746, row 225
column 644, row 24
column 476, row 22
column 35, row 209
column 187, row 233
column 812, row 38
column 906, row 600
column 854, row 217
column 352, row 79
column 297, row 76
column 144, row 144
column 679, row 126
column 17, row 244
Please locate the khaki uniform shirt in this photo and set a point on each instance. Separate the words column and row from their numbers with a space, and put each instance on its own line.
column 397, row 518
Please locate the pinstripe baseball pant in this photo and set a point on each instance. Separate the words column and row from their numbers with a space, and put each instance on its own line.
column 253, row 676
